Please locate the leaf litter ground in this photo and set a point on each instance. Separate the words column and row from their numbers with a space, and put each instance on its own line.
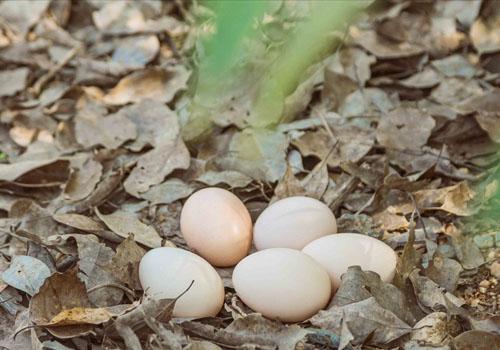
column 396, row 130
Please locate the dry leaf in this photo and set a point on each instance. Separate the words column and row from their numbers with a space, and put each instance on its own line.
column 405, row 128
column 93, row 127
column 258, row 153
column 123, row 223
column 12, row 81
column 137, row 50
column 60, row 292
column 453, row 199
column 233, row 179
column 26, row 273
column 154, row 83
column 155, row 165
column 78, row 221
column 125, row 263
column 84, row 176
column 168, row 192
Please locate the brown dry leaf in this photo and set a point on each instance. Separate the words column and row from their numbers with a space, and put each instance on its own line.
column 258, row 153
column 366, row 321
column 22, row 15
column 168, row 192
column 123, row 223
column 12, row 171
column 383, row 48
column 80, row 315
column 425, row 79
column 390, row 220
column 12, row 81
column 251, row 329
column 84, row 176
column 93, row 257
column 61, row 291
column 453, row 199
column 234, row 179
column 484, row 34
column 127, row 17
column 288, row 186
column 133, row 322
column 93, row 127
column 405, row 128
column 154, row 122
column 32, row 221
column 154, row 83
column 155, row 165
column 486, row 107
column 350, row 143
column 78, row 221
column 125, row 263
column 137, row 50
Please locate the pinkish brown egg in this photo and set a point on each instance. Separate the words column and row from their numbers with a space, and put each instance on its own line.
column 217, row 225
column 293, row 222
column 167, row 272
column 282, row 283
column 336, row 253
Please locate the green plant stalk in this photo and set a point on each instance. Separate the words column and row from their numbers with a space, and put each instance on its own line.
column 311, row 41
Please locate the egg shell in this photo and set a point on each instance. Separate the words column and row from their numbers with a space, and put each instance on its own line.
column 167, row 272
column 337, row 252
column 282, row 283
column 217, row 225
column 293, row 222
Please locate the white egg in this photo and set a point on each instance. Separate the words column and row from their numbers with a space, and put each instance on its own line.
column 337, row 252
column 167, row 272
column 293, row 222
column 282, row 283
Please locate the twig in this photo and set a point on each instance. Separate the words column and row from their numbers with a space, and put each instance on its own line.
column 44, row 79
column 113, row 285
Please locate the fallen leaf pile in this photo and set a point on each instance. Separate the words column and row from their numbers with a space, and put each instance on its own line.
column 397, row 131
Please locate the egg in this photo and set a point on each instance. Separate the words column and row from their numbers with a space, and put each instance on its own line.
column 337, row 252
column 167, row 272
column 217, row 225
column 282, row 283
column 293, row 222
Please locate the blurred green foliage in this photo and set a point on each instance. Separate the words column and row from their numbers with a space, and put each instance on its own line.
column 281, row 67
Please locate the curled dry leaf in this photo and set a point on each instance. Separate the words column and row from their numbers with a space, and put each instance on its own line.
column 153, row 83
column 347, row 144
column 484, row 33
column 366, row 320
column 60, row 292
column 84, row 176
column 125, row 263
column 123, row 223
column 453, row 199
column 251, row 329
column 93, row 257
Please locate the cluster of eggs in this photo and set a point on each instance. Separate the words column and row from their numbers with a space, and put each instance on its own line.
column 298, row 264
